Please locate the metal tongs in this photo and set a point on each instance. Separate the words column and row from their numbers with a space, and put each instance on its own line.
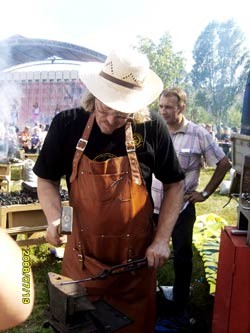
column 114, row 270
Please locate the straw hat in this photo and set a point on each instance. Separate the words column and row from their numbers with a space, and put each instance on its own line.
column 124, row 82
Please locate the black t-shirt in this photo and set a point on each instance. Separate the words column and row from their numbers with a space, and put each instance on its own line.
column 154, row 148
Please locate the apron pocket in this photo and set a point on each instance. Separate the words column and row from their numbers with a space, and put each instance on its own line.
column 105, row 188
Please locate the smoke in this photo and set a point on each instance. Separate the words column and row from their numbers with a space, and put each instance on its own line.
column 10, row 92
column 5, row 58
column 10, row 98
column 3, row 62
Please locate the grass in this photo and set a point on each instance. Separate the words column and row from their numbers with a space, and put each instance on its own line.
column 215, row 204
column 201, row 301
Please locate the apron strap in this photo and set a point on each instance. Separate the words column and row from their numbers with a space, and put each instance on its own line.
column 133, row 161
column 130, row 147
column 81, row 145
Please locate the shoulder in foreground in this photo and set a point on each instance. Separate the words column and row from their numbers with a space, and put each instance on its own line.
column 154, row 115
column 74, row 112
column 16, row 305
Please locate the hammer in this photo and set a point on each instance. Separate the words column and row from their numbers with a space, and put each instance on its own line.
column 66, row 223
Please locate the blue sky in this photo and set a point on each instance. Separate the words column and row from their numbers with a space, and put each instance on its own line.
column 104, row 24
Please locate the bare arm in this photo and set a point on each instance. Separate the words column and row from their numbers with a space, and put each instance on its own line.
column 16, row 281
column 50, row 200
column 159, row 251
column 220, row 171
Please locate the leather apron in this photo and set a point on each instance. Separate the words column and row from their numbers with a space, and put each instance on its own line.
column 112, row 224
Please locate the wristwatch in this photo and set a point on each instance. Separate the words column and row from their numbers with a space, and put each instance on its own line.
column 205, row 194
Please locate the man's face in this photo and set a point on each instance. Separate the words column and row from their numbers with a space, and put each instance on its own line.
column 108, row 119
column 169, row 109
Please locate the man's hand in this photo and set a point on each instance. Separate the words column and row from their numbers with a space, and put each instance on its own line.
column 194, row 197
column 158, row 253
column 52, row 235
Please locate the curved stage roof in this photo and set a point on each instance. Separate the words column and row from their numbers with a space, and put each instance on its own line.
column 51, row 64
column 18, row 50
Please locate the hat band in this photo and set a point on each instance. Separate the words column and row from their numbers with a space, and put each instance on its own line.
column 120, row 82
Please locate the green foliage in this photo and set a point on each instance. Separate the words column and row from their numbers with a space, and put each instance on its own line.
column 170, row 66
column 199, row 115
column 234, row 117
column 217, row 81
column 221, row 60
column 164, row 61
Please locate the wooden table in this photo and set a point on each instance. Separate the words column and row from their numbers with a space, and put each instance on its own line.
column 25, row 219
column 5, row 174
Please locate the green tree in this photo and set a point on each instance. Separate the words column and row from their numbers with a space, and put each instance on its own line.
column 170, row 66
column 219, row 70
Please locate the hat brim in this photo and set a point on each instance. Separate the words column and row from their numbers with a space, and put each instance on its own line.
column 117, row 97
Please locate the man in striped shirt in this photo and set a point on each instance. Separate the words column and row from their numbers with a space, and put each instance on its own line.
column 193, row 144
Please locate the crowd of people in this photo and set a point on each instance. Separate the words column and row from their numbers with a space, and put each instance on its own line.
column 222, row 135
column 13, row 140
column 31, row 139
column 132, row 175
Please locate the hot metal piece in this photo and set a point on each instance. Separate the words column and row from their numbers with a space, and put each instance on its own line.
column 115, row 270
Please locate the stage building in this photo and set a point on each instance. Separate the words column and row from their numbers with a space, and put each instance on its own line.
column 39, row 78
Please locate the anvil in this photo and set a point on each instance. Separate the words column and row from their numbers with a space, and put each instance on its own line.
column 70, row 310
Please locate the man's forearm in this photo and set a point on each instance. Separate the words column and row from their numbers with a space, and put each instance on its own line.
column 220, row 171
column 170, row 209
column 159, row 250
column 49, row 198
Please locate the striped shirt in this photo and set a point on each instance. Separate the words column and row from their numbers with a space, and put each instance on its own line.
column 192, row 144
